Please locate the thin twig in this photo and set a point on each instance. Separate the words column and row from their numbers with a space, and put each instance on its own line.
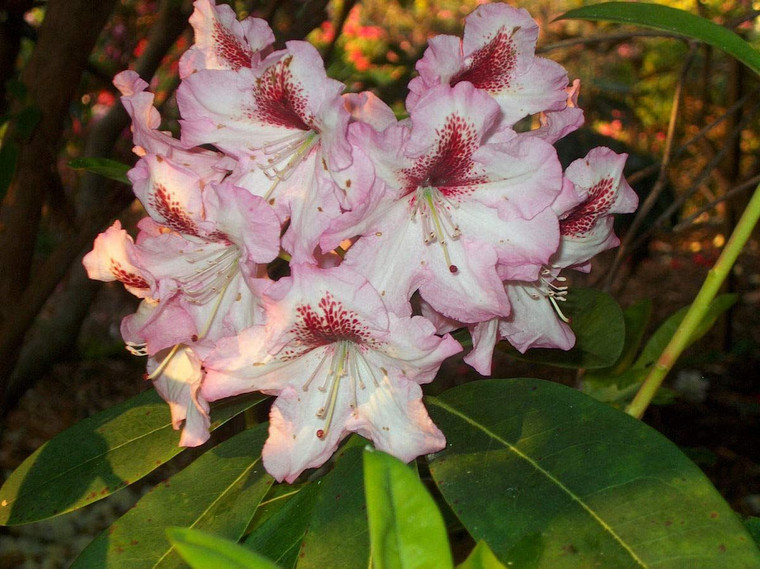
column 743, row 187
column 659, row 185
column 603, row 38
column 699, row 180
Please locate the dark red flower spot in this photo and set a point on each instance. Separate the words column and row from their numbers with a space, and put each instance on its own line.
column 280, row 100
column 449, row 167
column 129, row 278
column 229, row 49
column 582, row 218
column 330, row 322
column 175, row 215
column 491, row 67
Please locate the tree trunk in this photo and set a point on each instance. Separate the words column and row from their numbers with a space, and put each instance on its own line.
column 51, row 76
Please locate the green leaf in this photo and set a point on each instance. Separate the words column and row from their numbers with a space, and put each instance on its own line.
column 552, row 479
column 597, row 321
column 619, row 388
column 753, row 526
column 406, row 529
column 636, row 319
column 204, row 551
column 280, row 535
column 325, row 525
column 279, row 497
column 481, row 558
column 671, row 20
column 219, row 492
column 99, row 456
column 105, row 167
column 664, row 333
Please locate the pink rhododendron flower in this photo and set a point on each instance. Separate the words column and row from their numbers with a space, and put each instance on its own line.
column 553, row 125
column 177, row 377
column 195, row 264
column 599, row 190
column 497, row 56
column 114, row 257
column 204, row 241
column 339, row 362
column 458, row 200
column 146, row 121
column 285, row 122
column 223, row 42
column 451, row 203
column 593, row 191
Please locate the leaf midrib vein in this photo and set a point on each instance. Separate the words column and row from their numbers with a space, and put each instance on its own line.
column 546, row 473
column 89, row 460
column 211, row 505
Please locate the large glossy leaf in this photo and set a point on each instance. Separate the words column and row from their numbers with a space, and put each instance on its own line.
column 219, row 493
column 552, row 479
column 280, row 535
column 97, row 457
column 406, row 528
column 110, row 169
column 671, row 20
column 205, row 551
column 597, row 321
column 325, row 524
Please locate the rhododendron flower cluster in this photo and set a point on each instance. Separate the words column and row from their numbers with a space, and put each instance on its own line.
column 454, row 208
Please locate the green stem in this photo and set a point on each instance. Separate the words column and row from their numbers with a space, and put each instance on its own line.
column 698, row 309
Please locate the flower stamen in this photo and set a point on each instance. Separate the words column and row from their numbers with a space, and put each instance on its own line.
column 338, row 367
column 165, row 362
column 435, row 208
column 214, row 273
column 137, row 349
column 284, row 155
column 551, row 291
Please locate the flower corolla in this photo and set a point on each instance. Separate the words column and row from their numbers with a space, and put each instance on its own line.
column 302, row 242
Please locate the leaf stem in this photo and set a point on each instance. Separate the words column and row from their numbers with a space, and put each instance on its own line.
column 699, row 307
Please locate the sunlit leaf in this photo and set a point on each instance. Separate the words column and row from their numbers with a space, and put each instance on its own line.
column 219, row 492
column 672, row 20
column 481, row 558
column 98, row 456
column 204, row 551
column 105, row 167
column 552, row 479
column 406, row 529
